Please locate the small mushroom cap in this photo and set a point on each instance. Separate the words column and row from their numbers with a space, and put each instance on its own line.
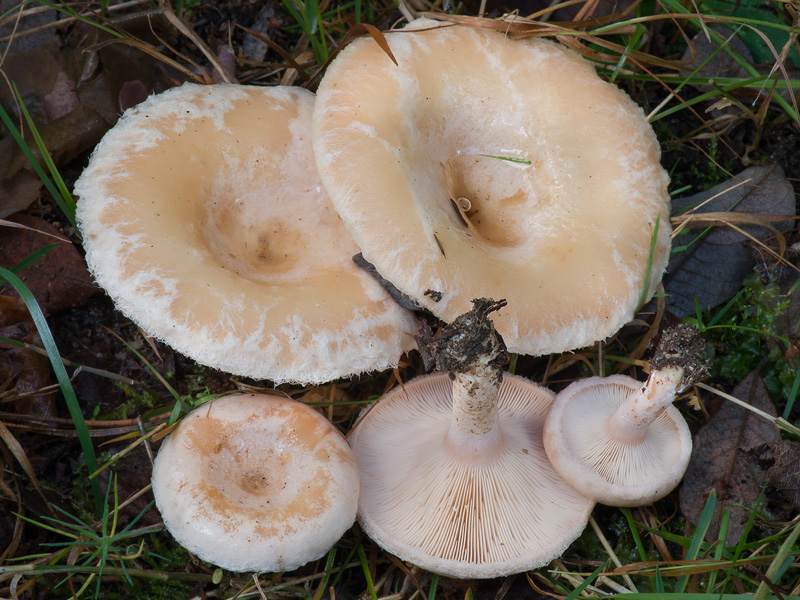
column 254, row 482
column 463, row 515
column 493, row 167
column 204, row 219
column 612, row 472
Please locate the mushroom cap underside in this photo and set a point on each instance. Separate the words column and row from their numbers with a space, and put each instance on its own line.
column 253, row 482
column 611, row 472
column 492, row 167
column 204, row 219
column 483, row 515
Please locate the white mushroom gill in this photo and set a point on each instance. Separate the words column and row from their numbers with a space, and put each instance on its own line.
column 454, row 477
column 623, row 462
column 622, row 442
column 483, row 514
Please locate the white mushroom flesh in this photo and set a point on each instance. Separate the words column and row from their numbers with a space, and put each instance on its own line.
column 489, row 167
column 204, row 219
column 634, row 469
column 256, row 483
column 497, row 508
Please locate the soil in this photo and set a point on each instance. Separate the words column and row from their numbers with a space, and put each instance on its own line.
column 89, row 331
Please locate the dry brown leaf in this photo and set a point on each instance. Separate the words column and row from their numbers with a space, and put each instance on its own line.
column 58, row 280
column 19, row 453
column 720, row 460
column 781, row 460
column 713, row 268
column 19, row 192
column 376, row 34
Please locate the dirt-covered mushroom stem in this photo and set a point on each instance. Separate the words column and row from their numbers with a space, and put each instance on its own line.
column 454, row 477
column 677, row 363
column 473, row 353
column 622, row 442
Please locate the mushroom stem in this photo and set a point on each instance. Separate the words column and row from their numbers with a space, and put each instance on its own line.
column 475, row 402
column 629, row 423
column 472, row 352
column 474, row 428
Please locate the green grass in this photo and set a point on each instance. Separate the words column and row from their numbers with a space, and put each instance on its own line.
column 95, row 546
column 742, row 334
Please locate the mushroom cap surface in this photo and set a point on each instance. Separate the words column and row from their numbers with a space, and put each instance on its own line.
column 611, row 472
column 482, row 515
column 560, row 172
column 204, row 219
column 253, row 482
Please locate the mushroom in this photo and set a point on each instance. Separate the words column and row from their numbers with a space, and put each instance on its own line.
column 204, row 219
column 621, row 442
column 494, row 166
column 255, row 482
column 454, row 477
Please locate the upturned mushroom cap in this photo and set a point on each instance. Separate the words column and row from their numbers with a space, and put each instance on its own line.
column 205, row 221
column 489, row 167
column 254, row 482
column 586, row 450
column 463, row 514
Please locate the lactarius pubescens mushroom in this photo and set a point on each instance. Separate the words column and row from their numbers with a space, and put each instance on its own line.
column 622, row 442
column 494, row 166
column 253, row 482
column 454, row 477
column 204, row 219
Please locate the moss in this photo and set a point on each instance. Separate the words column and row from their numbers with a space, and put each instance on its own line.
column 742, row 336
column 138, row 400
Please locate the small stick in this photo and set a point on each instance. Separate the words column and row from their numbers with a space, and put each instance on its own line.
column 779, row 422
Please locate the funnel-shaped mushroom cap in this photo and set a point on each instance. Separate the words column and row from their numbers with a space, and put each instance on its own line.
column 254, row 482
column 586, row 450
column 472, row 514
column 481, row 166
column 204, row 219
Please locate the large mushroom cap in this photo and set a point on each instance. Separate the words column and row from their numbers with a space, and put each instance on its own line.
column 256, row 483
column 613, row 470
column 483, row 514
column 204, row 219
column 481, row 166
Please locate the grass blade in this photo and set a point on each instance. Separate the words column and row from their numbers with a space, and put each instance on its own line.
column 63, row 198
column 586, row 582
column 26, row 150
column 648, row 273
column 61, row 374
column 362, row 557
column 778, row 565
column 699, row 534
column 22, row 458
column 634, row 533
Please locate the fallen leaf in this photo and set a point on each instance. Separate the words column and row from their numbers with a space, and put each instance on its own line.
column 720, row 461
column 12, row 310
column 62, row 99
column 33, row 377
column 712, row 268
column 19, row 192
column 780, row 460
column 132, row 93
column 58, row 280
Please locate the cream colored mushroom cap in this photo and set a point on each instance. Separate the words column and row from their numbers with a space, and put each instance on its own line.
column 463, row 516
column 611, row 472
column 205, row 221
column 562, row 230
column 253, row 482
